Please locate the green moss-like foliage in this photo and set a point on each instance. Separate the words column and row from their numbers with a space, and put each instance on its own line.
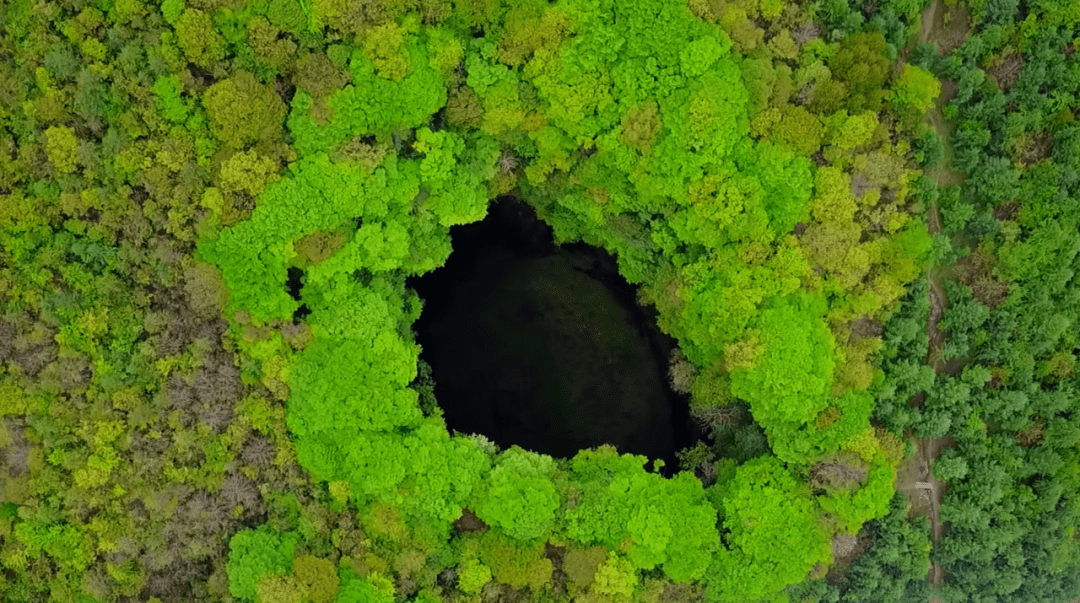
column 318, row 577
column 763, row 505
column 472, row 576
column 254, row 554
column 518, row 495
column 513, row 563
column 790, row 381
column 359, row 590
column 655, row 521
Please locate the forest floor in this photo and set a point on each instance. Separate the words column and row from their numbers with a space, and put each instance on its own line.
column 946, row 26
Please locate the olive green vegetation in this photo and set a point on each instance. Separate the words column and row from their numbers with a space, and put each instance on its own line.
column 170, row 433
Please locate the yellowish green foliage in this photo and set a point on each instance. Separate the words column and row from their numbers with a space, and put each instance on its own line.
column 60, row 144
column 317, row 577
column 279, row 589
column 241, row 111
column 640, row 126
column 793, row 126
column 472, row 576
column 616, row 577
column 581, row 564
column 269, row 45
column 384, row 46
column 916, row 90
column 531, row 26
column 513, row 563
column 247, row 171
column 855, row 130
column 744, row 33
column 197, row 38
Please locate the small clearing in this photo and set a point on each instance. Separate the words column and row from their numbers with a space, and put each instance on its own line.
column 946, row 26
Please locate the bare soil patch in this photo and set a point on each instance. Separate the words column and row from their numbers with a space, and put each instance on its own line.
column 1006, row 70
column 909, row 479
column 976, row 270
column 946, row 26
column 935, row 335
column 1007, row 211
column 1036, row 148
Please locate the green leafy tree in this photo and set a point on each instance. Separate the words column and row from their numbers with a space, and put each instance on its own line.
column 581, row 564
column 268, row 44
column 616, row 577
column 371, row 104
column 360, row 590
column 792, row 378
column 623, row 507
column 171, row 10
column 318, row 577
column 855, row 130
column 915, row 91
column 60, row 145
column 167, row 93
column 197, row 38
column 241, row 111
column 384, row 47
column 763, row 504
column 254, row 554
column 279, row 589
column 68, row 546
column 515, row 563
column 859, row 70
column 795, row 127
column 641, row 125
column 456, row 193
column 518, row 495
column 472, row 576
column 854, row 507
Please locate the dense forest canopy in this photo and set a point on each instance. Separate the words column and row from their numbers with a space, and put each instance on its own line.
column 858, row 221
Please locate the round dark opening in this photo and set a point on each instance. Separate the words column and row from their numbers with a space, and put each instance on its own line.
column 293, row 285
column 544, row 346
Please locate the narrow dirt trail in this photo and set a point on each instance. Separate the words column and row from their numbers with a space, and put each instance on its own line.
column 945, row 26
column 931, row 16
column 929, row 449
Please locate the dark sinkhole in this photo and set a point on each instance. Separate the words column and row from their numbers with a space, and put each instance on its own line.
column 544, row 346
column 294, row 284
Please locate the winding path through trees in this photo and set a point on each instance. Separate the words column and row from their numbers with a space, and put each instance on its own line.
column 945, row 26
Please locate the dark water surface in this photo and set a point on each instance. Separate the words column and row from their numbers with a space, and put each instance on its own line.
column 545, row 347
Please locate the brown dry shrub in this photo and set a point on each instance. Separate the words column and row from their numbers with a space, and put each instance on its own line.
column 839, row 473
column 976, row 270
